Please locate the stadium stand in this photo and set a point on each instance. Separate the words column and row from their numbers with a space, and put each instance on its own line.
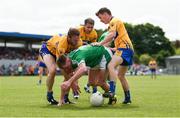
column 19, row 52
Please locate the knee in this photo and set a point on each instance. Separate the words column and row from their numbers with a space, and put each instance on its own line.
column 52, row 71
column 110, row 66
column 121, row 76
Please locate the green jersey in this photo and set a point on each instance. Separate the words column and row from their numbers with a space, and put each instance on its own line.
column 90, row 55
column 102, row 37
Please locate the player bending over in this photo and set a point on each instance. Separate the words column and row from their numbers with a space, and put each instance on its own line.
column 78, row 61
column 53, row 48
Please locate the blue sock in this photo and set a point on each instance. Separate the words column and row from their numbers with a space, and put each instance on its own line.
column 50, row 94
column 66, row 96
column 127, row 95
column 94, row 89
column 112, row 86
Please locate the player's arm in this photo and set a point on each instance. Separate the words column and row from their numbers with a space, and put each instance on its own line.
column 78, row 73
column 108, row 38
column 66, row 76
column 112, row 32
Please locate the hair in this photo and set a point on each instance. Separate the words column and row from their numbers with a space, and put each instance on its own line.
column 61, row 61
column 89, row 21
column 103, row 10
column 73, row 32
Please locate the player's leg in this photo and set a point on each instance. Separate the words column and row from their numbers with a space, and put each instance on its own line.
column 67, row 76
column 101, row 80
column 87, row 86
column 107, row 79
column 75, row 92
column 115, row 61
column 66, row 96
column 46, row 71
column 42, row 67
column 154, row 73
column 40, row 72
column 92, row 79
column 61, row 99
column 124, row 83
column 51, row 66
column 151, row 73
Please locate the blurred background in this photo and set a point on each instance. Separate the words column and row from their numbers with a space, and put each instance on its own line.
column 153, row 26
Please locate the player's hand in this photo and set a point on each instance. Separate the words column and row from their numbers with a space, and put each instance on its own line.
column 61, row 102
column 85, row 43
column 113, row 49
column 75, row 87
column 95, row 44
column 64, row 89
column 61, row 99
column 65, row 86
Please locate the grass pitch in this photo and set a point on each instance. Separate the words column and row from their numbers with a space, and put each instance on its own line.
column 22, row 97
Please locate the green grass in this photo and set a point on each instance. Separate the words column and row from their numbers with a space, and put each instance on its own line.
column 21, row 96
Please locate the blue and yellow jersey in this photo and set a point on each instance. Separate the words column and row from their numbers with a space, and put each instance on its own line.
column 122, row 39
column 152, row 64
column 59, row 45
column 91, row 37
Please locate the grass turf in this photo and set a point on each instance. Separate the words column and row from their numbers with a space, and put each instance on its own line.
column 22, row 97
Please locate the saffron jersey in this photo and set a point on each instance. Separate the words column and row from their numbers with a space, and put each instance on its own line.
column 91, row 37
column 122, row 39
column 59, row 45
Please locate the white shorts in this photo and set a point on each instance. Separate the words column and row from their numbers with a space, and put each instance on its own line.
column 103, row 63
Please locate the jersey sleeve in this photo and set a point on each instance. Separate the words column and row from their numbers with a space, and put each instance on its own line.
column 61, row 49
column 112, row 26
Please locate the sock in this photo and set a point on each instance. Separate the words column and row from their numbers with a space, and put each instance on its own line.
column 66, row 96
column 50, row 94
column 127, row 95
column 94, row 89
column 112, row 86
column 39, row 81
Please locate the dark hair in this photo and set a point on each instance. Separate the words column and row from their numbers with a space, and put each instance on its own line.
column 61, row 61
column 89, row 21
column 73, row 32
column 103, row 10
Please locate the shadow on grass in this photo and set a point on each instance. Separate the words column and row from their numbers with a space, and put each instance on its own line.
column 89, row 107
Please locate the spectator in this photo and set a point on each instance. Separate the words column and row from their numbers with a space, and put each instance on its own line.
column 20, row 69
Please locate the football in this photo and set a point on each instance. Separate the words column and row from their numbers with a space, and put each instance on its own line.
column 96, row 99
